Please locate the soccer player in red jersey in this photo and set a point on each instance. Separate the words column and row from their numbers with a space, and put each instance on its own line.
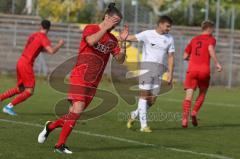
column 36, row 43
column 95, row 48
column 199, row 52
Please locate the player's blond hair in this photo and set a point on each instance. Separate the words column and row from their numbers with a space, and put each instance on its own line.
column 207, row 24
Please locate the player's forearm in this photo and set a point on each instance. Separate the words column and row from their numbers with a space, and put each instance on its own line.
column 122, row 56
column 213, row 55
column 94, row 38
column 170, row 64
column 51, row 50
column 55, row 49
column 131, row 38
column 185, row 56
column 215, row 59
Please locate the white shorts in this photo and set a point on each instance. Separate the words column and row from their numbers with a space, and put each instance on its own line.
column 151, row 78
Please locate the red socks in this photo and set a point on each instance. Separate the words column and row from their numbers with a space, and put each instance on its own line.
column 198, row 104
column 56, row 124
column 69, row 123
column 186, row 108
column 9, row 93
column 59, row 122
column 21, row 97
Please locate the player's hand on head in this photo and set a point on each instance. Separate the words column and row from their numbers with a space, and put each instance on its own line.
column 110, row 22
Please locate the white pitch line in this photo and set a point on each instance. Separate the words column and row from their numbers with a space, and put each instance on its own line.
column 126, row 140
column 210, row 103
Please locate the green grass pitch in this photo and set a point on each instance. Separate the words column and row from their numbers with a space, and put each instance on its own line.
column 107, row 136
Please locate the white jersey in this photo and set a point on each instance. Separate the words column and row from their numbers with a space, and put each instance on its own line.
column 156, row 47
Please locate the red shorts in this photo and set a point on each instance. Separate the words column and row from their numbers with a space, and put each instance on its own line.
column 196, row 79
column 25, row 75
column 80, row 91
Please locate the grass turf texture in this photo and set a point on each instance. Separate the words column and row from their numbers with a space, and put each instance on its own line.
column 218, row 131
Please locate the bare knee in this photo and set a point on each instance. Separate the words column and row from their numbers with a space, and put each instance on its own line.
column 77, row 107
column 151, row 101
column 29, row 90
column 189, row 94
column 188, row 98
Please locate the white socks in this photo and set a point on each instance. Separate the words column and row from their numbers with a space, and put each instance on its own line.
column 142, row 104
column 141, row 111
column 134, row 114
column 10, row 105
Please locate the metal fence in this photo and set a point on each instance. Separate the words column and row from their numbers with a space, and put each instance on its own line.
column 14, row 31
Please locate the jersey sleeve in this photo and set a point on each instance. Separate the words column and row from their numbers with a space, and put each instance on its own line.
column 141, row 36
column 213, row 42
column 46, row 42
column 88, row 30
column 171, row 48
column 188, row 49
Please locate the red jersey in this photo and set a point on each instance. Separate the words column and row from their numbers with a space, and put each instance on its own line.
column 92, row 60
column 35, row 44
column 199, row 53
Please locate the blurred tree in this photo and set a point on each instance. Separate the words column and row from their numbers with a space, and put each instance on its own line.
column 61, row 10
column 6, row 6
column 87, row 14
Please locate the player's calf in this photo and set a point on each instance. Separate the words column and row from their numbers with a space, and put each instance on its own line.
column 186, row 108
column 199, row 102
column 9, row 93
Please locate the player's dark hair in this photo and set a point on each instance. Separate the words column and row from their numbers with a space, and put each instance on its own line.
column 165, row 19
column 112, row 10
column 46, row 24
column 207, row 24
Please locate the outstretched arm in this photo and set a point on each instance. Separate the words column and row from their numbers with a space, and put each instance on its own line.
column 53, row 50
column 120, row 58
column 124, row 35
column 131, row 38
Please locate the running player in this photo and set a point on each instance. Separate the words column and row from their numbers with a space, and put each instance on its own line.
column 198, row 52
column 95, row 48
column 36, row 43
column 158, row 50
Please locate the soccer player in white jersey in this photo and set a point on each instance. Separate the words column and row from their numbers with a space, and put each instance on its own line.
column 158, row 51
